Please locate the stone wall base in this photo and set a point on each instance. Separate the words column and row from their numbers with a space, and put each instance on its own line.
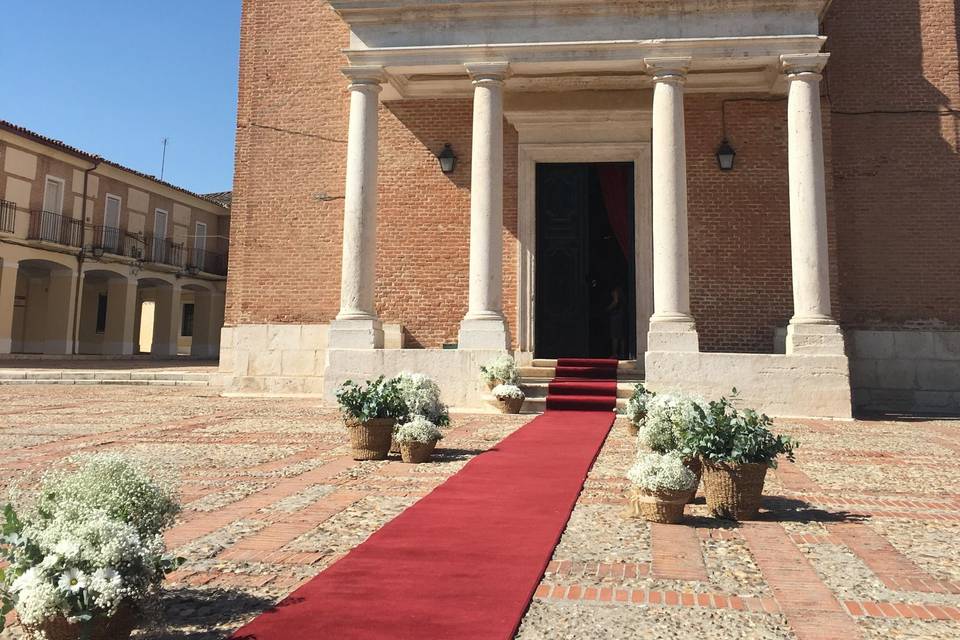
column 456, row 371
column 779, row 385
column 906, row 371
column 273, row 360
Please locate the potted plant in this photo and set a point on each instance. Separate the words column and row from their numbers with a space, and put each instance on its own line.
column 662, row 485
column 417, row 439
column 370, row 413
column 503, row 370
column 83, row 561
column 637, row 408
column 669, row 416
column 509, row 398
column 421, row 396
column 736, row 447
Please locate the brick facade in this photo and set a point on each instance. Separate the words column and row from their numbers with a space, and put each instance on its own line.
column 891, row 179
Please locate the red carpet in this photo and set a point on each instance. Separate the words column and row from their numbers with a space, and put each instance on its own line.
column 584, row 385
column 464, row 562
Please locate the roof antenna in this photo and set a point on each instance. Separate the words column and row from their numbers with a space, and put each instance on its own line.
column 163, row 161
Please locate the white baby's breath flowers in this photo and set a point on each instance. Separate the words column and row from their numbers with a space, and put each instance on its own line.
column 508, row 392
column 422, row 397
column 93, row 542
column 657, row 472
column 418, row 430
column 668, row 417
column 502, row 370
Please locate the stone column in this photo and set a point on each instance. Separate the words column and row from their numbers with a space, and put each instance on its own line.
column 119, row 336
column 357, row 325
column 166, row 321
column 61, row 302
column 812, row 328
column 672, row 327
column 484, row 326
column 8, row 295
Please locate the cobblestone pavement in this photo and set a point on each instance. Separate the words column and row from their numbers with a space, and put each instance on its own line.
column 860, row 539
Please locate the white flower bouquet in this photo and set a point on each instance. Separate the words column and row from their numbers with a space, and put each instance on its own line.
column 418, row 430
column 417, row 439
column 503, row 370
column 91, row 548
column 422, row 397
column 668, row 417
column 657, row 473
column 662, row 486
column 508, row 392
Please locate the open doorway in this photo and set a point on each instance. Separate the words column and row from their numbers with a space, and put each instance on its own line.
column 585, row 265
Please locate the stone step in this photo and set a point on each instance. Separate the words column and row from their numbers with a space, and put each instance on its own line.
column 539, row 405
column 539, row 389
column 539, row 374
column 102, row 378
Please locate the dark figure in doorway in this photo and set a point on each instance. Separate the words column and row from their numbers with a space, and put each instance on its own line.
column 616, row 310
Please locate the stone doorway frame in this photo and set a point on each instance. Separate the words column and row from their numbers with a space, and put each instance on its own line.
column 583, row 152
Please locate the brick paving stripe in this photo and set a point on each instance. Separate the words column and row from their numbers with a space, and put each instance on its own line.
column 810, row 607
column 676, row 553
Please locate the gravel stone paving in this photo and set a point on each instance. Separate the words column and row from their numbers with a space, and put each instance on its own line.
column 565, row 621
column 923, row 543
column 229, row 448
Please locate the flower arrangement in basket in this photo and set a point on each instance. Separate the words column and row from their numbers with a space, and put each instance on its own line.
column 509, row 398
column 501, row 371
column 636, row 410
column 736, row 447
column 421, row 396
column 89, row 554
column 669, row 416
column 370, row 412
column 662, row 485
column 417, row 439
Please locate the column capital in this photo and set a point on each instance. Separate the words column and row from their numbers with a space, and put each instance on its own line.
column 803, row 64
column 487, row 72
column 365, row 76
column 668, row 69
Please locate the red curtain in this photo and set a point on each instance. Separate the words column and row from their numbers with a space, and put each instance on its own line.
column 614, row 179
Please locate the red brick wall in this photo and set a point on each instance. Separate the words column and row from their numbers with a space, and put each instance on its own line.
column 893, row 253
column 897, row 174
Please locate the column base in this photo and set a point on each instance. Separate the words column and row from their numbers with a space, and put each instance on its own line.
column 673, row 336
column 484, row 334
column 815, row 339
column 366, row 333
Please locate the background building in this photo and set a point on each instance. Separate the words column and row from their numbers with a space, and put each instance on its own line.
column 805, row 282
column 98, row 259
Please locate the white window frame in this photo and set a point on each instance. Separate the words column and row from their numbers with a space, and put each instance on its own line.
column 106, row 205
column 63, row 191
column 166, row 222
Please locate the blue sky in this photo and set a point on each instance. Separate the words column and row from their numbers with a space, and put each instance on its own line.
column 115, row 77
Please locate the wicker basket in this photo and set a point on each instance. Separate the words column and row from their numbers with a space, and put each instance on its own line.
column 394, row 447
column 118, row 627
column 633, row 429
column 664, row 507
column 696, row 466
column 417, row 452
column 734, row 490
column 371, row 440
column 509, row 405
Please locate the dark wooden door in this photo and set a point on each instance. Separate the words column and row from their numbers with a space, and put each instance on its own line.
column 562, row 267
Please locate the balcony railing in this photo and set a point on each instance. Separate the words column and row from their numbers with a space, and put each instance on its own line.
column 55, row 228
column 8, row 213
column 162, row 251
column 109, row 240
column 207, row 261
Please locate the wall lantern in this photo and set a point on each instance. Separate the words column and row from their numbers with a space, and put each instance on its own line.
column 447, row 159
column 726, row 155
